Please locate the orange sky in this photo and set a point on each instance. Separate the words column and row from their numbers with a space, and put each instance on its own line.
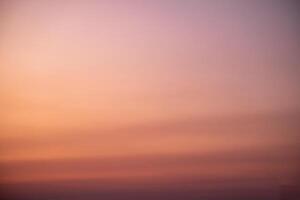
column 145, row 92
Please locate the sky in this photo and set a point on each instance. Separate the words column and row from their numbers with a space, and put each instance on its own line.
column 148, row 99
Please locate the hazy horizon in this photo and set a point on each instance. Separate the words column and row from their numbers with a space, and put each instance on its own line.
column 149, row 99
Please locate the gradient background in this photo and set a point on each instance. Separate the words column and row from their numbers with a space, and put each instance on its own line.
column 150, row 100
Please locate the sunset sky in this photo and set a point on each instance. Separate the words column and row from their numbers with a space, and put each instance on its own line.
column 156, row 97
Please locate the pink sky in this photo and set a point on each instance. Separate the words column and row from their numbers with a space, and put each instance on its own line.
column 210, row 87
